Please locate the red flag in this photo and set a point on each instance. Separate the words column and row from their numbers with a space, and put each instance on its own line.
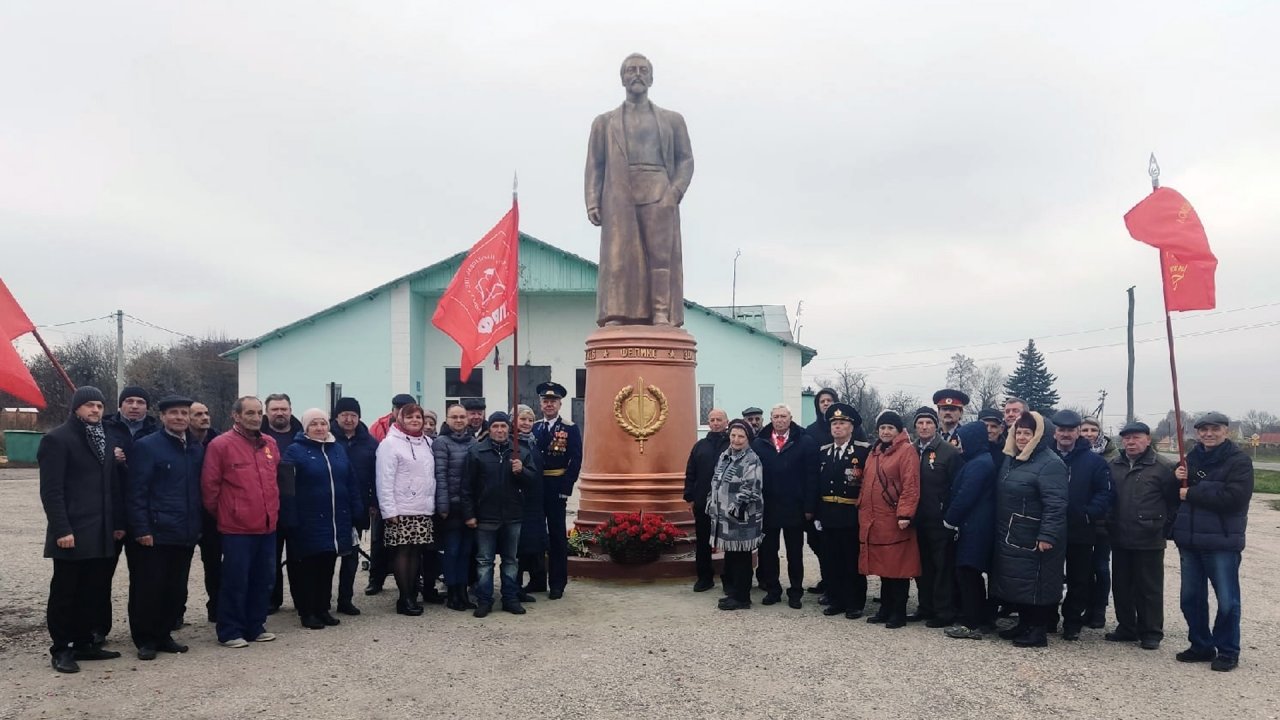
column 1164, row 219
column 15, row 379
column 478, row 309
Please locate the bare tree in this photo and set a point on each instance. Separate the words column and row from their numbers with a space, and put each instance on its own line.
column 901, row 402
column 854, row 388
column 1259, row 421
column 990, row 387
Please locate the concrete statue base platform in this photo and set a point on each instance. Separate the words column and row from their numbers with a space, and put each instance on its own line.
column 641, row 419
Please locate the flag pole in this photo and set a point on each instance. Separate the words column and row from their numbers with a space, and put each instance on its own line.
column 1153, row 169
column 515, row 333
column 56, row 365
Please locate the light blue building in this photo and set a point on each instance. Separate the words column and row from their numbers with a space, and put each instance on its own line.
column 381, row 342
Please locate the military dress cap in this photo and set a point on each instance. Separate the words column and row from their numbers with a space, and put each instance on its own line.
column 173, row 401
column 991, row 414
column 1136, row 426
column 752, row 411
column 552, row 390
column 1212, row 418
column 843, row 411
column 949, row 397
column 472, row 403
column 401, row 400
column 1066, row 419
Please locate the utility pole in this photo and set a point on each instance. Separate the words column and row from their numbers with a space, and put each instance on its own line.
column 119, row 350
column 1128, row 414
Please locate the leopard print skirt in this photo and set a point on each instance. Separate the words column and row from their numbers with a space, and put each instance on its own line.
column 409, row 530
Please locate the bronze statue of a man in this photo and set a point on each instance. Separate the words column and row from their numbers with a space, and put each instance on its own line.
column 639, row 164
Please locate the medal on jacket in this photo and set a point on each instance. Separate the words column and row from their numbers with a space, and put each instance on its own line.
column 933, row 455
column 559, row 442
column 854, row 474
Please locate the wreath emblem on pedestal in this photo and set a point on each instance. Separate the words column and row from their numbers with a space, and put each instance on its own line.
column 640, row 412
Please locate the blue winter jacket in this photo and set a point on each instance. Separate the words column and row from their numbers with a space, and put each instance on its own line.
column 326, row 497
column 973, row 500
column 1216, row 511
column 1090, row 493
column 362, row 452
column 162, row 495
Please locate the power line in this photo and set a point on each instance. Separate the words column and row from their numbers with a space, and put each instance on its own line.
column 140, row 321
column 940, row 363
column 75, row 322
column 1043, row 337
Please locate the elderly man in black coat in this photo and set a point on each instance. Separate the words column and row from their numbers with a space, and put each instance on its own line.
column 84, row 504
column 789, row 460
column 697, row 487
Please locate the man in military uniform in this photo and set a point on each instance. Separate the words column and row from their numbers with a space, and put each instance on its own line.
column 560, row 442
column 950, row 404
column 835, row 509
column 755, row 418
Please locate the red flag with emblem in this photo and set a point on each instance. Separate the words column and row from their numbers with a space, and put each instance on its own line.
column 478, row 309
column 15, row 379
column 1167, row 221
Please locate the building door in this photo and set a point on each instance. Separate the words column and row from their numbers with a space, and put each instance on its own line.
column 531, row 376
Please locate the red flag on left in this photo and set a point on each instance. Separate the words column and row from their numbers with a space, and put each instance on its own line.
column 478, row 309
column 15, row 379
column 1164, row 219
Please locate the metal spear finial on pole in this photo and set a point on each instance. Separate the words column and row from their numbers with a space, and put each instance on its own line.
column 1153, row 169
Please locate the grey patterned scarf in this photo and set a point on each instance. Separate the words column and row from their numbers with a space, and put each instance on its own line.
column 97, row 439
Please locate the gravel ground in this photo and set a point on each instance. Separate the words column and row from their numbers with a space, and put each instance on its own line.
column 614, row 650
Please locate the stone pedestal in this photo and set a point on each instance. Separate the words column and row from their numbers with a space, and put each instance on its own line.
column 641, row 422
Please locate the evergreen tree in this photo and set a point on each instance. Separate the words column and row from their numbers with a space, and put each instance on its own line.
column 1032, row 381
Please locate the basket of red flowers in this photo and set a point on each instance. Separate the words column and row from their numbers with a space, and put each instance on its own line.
column 636, row 538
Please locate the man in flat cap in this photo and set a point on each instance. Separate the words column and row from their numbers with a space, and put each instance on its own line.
column 475, row 408
column 560, row 443
column 1146, row 498
column 1090, row 496
column 164, row 516
column 755, row 418
column 1217, row 484
column 834, row 505
column 951, row 404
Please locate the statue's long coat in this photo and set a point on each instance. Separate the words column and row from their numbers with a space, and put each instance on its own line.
column 622, row 292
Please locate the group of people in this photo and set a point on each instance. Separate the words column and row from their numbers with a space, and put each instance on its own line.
column 276, row 494
column 990, row 518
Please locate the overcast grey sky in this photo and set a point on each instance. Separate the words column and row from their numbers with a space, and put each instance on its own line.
column 920, row 175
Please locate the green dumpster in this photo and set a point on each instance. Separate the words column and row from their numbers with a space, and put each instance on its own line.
column 21, row 445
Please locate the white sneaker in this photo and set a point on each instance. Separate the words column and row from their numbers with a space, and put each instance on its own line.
column 265, row 637
column 234, row 643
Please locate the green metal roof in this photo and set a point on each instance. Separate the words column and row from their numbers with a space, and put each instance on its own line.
column 543, row 268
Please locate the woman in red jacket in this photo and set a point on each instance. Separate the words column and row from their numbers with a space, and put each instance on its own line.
column 886, row 507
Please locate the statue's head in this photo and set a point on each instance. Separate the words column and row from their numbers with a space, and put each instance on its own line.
column 637, row 73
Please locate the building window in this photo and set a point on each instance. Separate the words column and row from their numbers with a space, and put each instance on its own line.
column 580, row 376
column 706, row 402
column 455, row 388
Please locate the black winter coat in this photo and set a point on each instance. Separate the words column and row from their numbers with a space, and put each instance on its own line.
column 450, row 451
column 940, row 465
column 790, row 476
column 533, row 524
column 1031, row 506
column 701, row 466
column 163, row 492
column 82, row 496
column 118, row 434
column 1090, row 493
column 1216, row 511
column 491, row 493
column 1146, row 500
column 362, row 453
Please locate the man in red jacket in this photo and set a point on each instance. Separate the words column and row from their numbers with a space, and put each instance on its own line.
column 238, row 487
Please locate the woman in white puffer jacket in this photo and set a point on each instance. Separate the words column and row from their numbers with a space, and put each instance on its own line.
column 407, row 498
